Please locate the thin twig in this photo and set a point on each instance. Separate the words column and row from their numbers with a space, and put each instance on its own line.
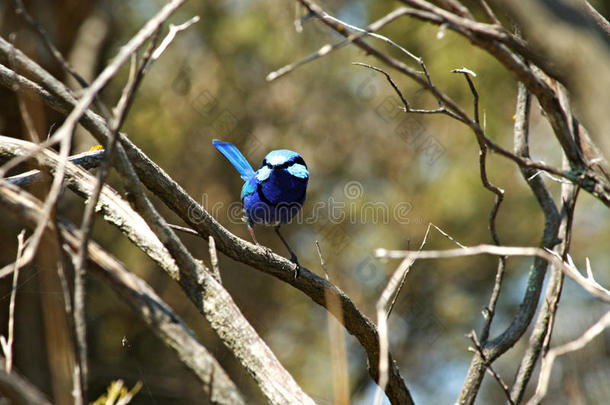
column 489, row 311
column 173, row 31
column 495, row 375
column 407, row 108
column 569, row 269
column 214, row 260
column 404, row 277
column 322, row 262
column 184, row 229
column 25, row 115
column 349, row 38
column 7, row 344
column 489, row 12
column 86, row 160
column 391, row 291
column 382, row 325
column 48, row 43
column 576, row 344
column 55, row 53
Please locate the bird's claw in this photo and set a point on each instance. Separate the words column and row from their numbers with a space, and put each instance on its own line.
column 267, row 251
column 297, row 268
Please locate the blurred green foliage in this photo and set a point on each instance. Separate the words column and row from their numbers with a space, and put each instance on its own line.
column 343, row 119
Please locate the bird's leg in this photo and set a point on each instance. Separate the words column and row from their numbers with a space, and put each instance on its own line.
column 293, row 256
column 251, row 230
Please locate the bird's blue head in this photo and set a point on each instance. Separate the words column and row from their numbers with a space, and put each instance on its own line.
column 280, row 159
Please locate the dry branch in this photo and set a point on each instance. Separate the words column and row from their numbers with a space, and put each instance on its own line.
column 153, row 311
column 172, row 194
column 210, row 297
column 577, row 344
column 569, row 269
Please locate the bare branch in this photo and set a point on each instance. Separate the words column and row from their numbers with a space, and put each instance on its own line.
column 407, row 108
column 540, row 336
column 114, row 209
column 214, row 260
column 86, row 160
column 210, row 298
column 173, row 31
column 489, row 12
column 404, row 277
column 25, row 115
column 577, row 344
column 569, row 269
column 140, row 296
column 495, row 375
column 322, row 262
column 390, row 292
column 193, row 214
column 7, row 343
column 349, row 38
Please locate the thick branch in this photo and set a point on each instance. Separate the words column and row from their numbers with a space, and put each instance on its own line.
column 140, row 296
column 210, row 297
column 172, row 194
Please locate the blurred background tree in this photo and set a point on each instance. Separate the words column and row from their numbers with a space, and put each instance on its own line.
column 344, row 121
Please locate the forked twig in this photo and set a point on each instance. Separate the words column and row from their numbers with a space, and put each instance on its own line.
column 404, row 277
column 391, row 291
column 490, row 369
column 407, row 108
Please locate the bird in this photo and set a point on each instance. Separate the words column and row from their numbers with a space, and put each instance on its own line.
column 273, row 194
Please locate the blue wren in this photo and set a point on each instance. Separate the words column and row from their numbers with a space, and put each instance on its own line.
column 274, row 193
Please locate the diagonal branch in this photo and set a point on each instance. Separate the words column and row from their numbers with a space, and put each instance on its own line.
column 140, row 296
column 209, row 296
column 172, row 194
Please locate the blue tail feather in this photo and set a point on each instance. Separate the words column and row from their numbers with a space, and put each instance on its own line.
column 236, row 158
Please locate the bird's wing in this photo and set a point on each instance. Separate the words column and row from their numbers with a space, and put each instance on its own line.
column 234, row 156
